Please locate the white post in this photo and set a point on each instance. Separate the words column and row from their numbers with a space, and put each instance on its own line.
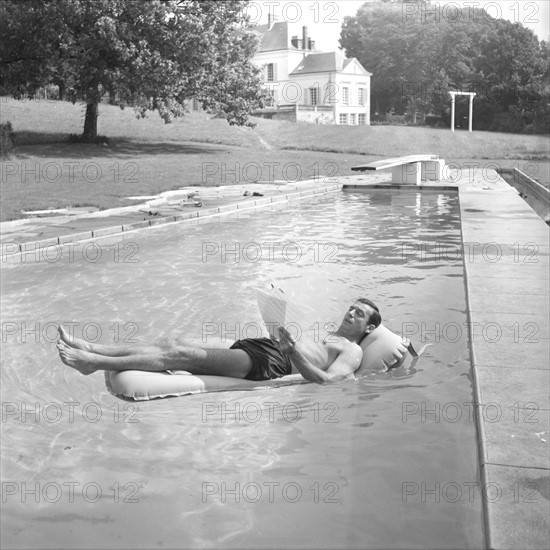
column 471, row 109
column 471, row 112
column 452, row 111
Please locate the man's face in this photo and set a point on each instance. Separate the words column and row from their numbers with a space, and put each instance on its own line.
column 356, row 320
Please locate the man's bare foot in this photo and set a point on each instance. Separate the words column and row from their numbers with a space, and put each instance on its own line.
column 78, row 359
column 76, row 343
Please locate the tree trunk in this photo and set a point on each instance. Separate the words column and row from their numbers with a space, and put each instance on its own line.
column 62, row 91
column 90, row 122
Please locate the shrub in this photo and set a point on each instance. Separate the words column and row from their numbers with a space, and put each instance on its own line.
column 395, row 120
column 434, row 121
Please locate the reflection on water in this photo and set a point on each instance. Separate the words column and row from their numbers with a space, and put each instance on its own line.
column 302, row 466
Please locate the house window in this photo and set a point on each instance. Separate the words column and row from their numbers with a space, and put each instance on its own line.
column 345, row 96
column 352, row 119
column 361, row 96
column 362, row 118
column 314, row 96
column 343, row 118
column 270, row 72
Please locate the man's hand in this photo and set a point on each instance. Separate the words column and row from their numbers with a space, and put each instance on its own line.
column 288, row 345
column 345, row 364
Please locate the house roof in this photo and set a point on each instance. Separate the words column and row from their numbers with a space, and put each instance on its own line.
column 326, row 62
column 275, row 38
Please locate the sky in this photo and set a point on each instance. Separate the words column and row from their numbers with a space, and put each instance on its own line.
column 323, row 18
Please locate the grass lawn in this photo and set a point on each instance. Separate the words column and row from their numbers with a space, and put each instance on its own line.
column 145, row 157
column 392, row 141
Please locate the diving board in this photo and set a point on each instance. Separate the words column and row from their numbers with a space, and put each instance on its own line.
column 412, row 169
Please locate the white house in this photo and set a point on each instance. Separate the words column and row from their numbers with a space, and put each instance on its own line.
column 306, row 85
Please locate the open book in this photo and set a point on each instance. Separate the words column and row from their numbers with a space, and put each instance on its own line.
column 277, row 311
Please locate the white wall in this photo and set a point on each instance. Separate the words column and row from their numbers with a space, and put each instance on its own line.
column 290, row 89
column 353, row 82
column 284, row 60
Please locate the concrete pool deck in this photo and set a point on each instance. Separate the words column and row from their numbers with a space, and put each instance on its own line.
column 507, row 290
column 506, row 254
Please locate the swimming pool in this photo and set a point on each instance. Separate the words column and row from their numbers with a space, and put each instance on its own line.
column 389, row 461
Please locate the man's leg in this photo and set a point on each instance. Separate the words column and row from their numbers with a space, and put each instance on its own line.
column 122, row 350
column 101, row 349
column 220, row 362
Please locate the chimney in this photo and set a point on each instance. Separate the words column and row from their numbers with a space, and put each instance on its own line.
column 272, row 18
column 311, row 44
column 294, row 41
column 304, row 38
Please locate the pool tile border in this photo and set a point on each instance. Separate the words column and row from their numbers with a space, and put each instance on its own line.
column 403, row 187
column 75, row 237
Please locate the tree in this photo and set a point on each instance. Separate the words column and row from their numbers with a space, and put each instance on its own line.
column 150, row 55
column 418, row 55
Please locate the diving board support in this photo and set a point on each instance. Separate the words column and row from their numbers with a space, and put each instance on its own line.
column 432, row 170
column 407, row 173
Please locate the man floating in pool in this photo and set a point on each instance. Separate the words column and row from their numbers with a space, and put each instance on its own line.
column 337, row 357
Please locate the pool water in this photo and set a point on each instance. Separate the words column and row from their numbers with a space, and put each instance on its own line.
column 388, row 461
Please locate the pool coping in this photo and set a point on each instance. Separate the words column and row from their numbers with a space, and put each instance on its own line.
column 513, row 456
column 535, row 194
column 510, row 454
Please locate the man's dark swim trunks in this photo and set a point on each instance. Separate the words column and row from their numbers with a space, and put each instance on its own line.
column 268, row 361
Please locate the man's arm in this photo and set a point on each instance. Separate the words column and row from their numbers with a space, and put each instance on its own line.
column 347, row 362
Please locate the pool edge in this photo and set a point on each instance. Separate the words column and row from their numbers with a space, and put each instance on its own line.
column 511, row 456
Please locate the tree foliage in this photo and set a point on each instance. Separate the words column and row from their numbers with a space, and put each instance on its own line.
column 150, row 55
column 417, row 53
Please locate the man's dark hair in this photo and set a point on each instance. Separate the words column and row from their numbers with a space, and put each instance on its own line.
column 375, row 318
